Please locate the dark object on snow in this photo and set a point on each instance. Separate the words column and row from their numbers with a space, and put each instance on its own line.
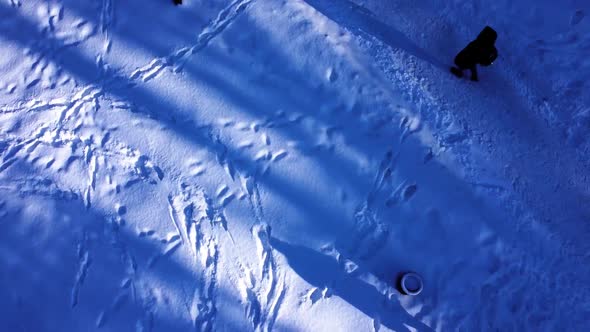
column 480, row 51
column 177, row 2
column 409, row 283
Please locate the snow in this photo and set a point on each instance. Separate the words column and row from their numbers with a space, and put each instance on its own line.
column 258, row 165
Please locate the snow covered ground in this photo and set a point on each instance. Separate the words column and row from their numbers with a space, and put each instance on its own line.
column 258, row 165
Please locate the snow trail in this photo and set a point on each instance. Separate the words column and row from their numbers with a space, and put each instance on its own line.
column 250, row 165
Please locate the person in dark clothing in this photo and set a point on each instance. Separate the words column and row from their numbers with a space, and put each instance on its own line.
column 177, row 2
column 480, row 51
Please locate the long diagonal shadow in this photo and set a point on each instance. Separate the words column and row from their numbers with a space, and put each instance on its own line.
column 40, row 261
column 359, row 20
column 320, row 270
column 165, row 111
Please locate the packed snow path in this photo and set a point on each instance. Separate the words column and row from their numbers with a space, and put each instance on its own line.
column 258, row 165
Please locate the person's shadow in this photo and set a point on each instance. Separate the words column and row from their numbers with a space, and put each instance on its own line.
column 320, row 270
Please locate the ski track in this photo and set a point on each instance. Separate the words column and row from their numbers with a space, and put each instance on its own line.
column 109, row 80
column 204, row 310
column 178, row 58
column 73, row 138
column 199, row 219
column 83, row 265
column 116, row 167
column 106, row 159
column 107, row 21
column 264, row 294
column 529, row 187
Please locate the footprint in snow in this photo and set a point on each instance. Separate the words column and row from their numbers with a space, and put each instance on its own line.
column 146, row 232
column 121, row 209
column 577, row 17
column 403, row 193
column 331, row 75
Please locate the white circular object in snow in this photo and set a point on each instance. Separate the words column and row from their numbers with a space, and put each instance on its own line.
column 411, row 284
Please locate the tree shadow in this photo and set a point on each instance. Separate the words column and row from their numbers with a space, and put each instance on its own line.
column 63, row 265
column 322, row 222
column 360, row 21
column 321, row 270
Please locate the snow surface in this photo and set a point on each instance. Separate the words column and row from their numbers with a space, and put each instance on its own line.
column 258, row 165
